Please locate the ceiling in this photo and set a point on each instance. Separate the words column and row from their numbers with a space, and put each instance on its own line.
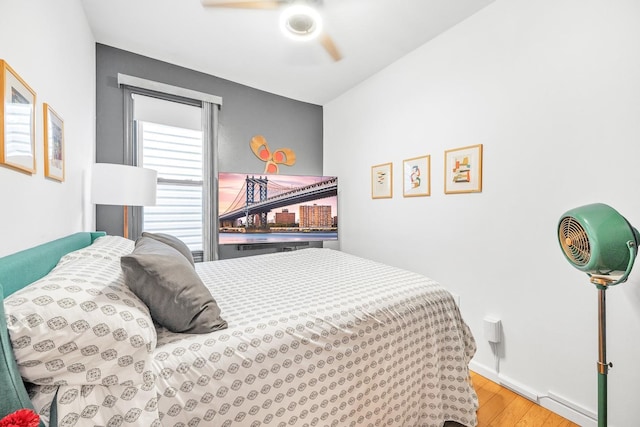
column 247, row 47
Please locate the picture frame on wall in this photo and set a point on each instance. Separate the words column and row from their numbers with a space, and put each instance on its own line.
column 463, row 170
column 17, row 121
column 417, row 177
column 53, row 144
column 382, row 181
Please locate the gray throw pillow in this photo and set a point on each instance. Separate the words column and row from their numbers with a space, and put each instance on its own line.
column 176, row 296
column 172, row 241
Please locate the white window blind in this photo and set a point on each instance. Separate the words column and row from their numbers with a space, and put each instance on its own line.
column 176, row 153
column 169, row 140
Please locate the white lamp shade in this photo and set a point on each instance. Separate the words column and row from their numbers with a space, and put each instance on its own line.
column 122, row 185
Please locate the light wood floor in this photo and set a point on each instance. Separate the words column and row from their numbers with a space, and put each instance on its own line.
column 500, row 407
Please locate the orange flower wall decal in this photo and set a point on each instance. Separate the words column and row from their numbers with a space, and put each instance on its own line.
column 281, row 156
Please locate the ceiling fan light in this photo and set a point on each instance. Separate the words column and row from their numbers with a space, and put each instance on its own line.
column 301, row 22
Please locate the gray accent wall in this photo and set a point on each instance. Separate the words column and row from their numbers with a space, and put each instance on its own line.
column 245, row 112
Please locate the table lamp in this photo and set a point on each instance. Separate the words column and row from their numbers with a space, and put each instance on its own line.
column 123, row 185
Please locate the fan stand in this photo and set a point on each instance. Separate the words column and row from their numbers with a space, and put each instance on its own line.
column 591, row 238
column 603, row 367
column 602, row 282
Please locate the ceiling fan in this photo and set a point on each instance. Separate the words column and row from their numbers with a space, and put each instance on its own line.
column 300, row 19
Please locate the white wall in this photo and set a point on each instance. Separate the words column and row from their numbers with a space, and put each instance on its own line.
column 49, row 44
column 552, row 90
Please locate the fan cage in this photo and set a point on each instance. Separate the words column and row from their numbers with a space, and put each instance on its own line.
column 574, row 241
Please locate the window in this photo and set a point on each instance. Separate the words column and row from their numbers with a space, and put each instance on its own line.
column 174, row 131
column 176, row 153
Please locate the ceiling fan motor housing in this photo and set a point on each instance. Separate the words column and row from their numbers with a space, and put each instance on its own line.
column 594, row 239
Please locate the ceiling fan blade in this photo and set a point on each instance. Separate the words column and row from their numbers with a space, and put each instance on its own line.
column 243, row 4
column 330, row 46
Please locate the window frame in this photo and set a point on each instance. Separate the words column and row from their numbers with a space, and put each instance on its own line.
column 209, row 104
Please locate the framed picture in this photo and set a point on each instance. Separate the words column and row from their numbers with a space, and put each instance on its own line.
column 463, row 170
column 53, row 144
column 417, row 177
column 382, row 181
column 17, row 121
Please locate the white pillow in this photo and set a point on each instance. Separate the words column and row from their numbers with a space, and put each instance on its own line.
column 105, row 247
column 81, row 324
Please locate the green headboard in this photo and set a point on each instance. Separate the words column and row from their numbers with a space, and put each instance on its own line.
column 17, row 271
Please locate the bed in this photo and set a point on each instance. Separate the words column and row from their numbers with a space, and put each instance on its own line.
column 314, row 337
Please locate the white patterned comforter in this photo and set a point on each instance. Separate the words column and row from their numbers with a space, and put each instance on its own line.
column 319, row 338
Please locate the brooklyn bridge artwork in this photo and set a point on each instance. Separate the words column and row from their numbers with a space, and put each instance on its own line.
column 263, row 208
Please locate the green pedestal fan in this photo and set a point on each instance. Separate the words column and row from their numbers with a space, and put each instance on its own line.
column 598, row 240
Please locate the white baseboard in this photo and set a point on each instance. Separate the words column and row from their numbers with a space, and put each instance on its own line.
column 519, row 388
column 551, row 401
column 565, row 411
column 484, row 371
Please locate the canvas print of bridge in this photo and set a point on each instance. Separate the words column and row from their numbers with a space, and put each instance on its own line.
column 265, row 208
